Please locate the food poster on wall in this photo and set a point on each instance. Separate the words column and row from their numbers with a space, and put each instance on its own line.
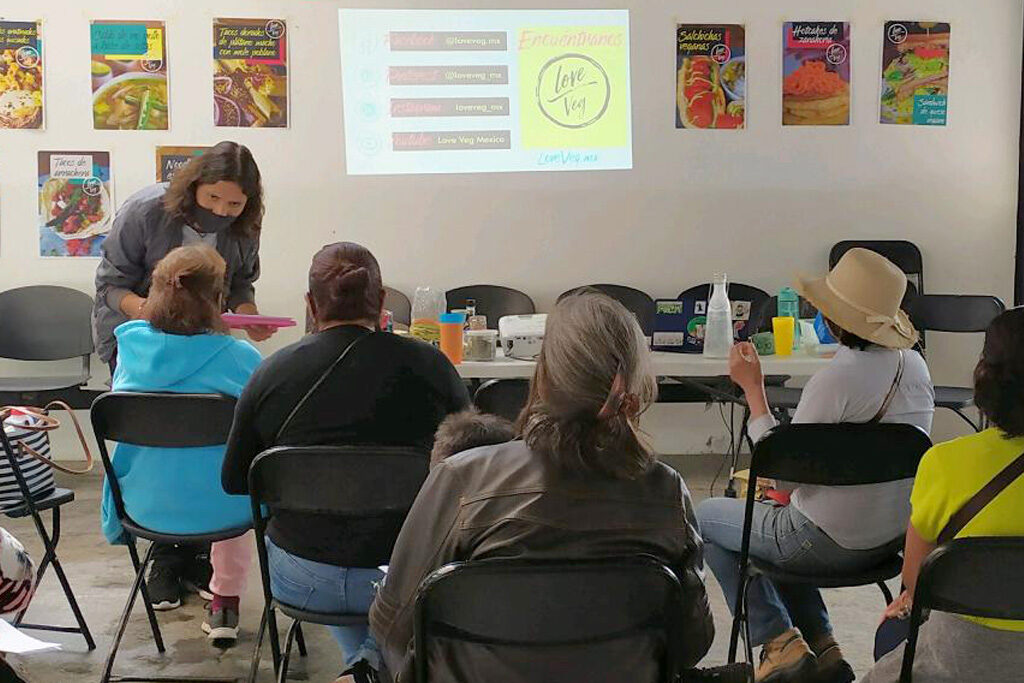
column 75, row 206
column 170, row 158
column 815, row 73
column 711, row 76
column 129, row 75
column 250, row 73
column 915, row 73
column 21, row 75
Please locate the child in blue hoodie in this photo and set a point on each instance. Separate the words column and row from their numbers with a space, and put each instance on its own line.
column 182, row 346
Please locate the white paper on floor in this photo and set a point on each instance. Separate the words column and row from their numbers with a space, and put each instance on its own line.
column 15, row 642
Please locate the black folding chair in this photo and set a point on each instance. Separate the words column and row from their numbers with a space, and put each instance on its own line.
column 399, row 305
column 159, row 421
column 46, row 323
column 826, row 455
column 502, row 397
column 638, row 302
column 33, row 507
column 352, row 483
column 978, row 577
column 540, row 604
column 903, row 254
column 493, row 301
column 957, row 313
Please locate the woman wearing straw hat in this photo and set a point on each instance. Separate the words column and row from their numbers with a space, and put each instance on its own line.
column 873, row 377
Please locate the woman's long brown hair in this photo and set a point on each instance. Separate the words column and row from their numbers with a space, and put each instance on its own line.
column 228, row 161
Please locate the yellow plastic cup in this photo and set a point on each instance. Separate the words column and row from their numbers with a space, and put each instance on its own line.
column 783, row 329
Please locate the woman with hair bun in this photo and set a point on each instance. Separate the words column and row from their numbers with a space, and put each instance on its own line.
column 582, row 483
column 387, row 390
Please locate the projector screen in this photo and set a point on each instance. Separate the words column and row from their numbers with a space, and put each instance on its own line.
column 457, row 91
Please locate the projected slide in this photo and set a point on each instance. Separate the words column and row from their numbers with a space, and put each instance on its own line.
column 462, row 91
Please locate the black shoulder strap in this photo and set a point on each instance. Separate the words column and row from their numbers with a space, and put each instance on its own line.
column 977, row 503
column 316, row 385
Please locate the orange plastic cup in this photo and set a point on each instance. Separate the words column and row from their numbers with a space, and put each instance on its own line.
column 451, row 336
column 783, row 328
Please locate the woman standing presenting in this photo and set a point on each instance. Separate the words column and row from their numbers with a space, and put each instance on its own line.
column 216, row 199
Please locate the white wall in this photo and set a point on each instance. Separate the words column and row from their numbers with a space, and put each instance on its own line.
column 762, row 204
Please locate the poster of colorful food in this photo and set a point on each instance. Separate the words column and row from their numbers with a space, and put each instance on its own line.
column 129, row 75
column 250, row 73
column 21, row 75
column 815, row 73
column 915, row 73
column 170, row 158
column 75, row 204
column 711, row 76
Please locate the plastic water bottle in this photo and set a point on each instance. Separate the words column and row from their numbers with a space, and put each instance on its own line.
column 718, row 331
column 789, row 307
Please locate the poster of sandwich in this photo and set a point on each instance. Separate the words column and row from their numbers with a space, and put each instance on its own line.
column 250, row 73
column 21, row 75
column 815, row 73
column 915, row 73
column 170, row 158
column 711, row 76
column 129, row 75
column 76, row 209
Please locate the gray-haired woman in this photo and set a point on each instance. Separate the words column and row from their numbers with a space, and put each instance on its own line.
column 582, row 483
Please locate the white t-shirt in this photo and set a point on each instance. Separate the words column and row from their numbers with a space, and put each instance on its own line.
column 851, row 389
column 190, row 236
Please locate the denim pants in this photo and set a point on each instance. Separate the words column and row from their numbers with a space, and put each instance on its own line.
column 787, row 539
column 327, row 588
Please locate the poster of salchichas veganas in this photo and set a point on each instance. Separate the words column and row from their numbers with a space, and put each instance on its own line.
column 711, row 76
column 75, row 203
column 815, row 73
column 250, row 73
column 915, row 73
column 170, row 158
column 21, row 75
column 129, row 75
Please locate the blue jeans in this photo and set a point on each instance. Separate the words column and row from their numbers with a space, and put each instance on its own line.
column 326, row 588
column 787, row 539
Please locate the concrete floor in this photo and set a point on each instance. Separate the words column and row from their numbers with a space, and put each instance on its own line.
column 100, row 576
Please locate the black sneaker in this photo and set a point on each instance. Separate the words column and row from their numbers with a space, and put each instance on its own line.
column 196, row 576
column 164, row 586
column 221, row 627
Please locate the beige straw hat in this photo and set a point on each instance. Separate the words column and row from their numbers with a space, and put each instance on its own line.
column 862, row 295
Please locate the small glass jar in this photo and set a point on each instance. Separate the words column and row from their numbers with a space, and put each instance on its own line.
column 481, row 345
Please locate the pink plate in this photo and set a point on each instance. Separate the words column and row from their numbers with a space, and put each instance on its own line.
column 239, row 320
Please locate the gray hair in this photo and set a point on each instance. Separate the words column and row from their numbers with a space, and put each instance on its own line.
column 589, row 339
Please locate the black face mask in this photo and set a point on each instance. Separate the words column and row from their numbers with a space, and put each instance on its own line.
column 205, row 220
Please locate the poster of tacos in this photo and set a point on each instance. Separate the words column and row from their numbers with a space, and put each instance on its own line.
column 170, row 158
column 815, row 73
column 75, row 204
column 129, row 75
column 21, row 75
column 250, row 73
column 711, row 76
column 915, row 73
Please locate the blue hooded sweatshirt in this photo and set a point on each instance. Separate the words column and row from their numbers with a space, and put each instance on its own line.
column 176, row 490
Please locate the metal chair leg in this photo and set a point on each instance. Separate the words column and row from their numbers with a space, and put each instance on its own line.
column 126, row 614
column 257, row 650
column 275, row 639
column 748, row 644
column 140, row 567
column 282, row 673
column 300, row 641
column 50, row 541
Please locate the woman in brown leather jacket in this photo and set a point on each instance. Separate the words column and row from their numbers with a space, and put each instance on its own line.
column 582, row 483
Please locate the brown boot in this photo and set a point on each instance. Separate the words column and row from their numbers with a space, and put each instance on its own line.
column 832, row 667
column 786, row 659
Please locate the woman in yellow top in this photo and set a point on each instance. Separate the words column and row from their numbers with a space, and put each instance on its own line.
column 953, row 648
